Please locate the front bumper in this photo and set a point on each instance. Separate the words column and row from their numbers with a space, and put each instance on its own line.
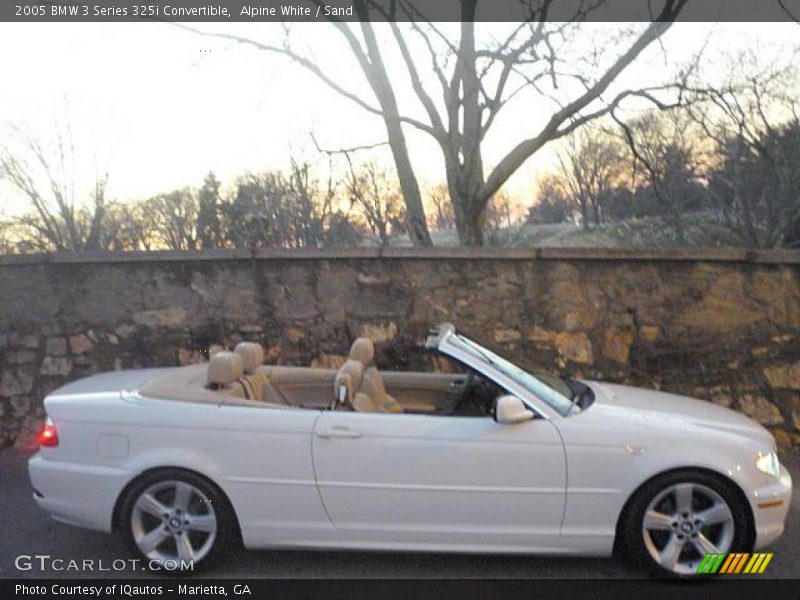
column 770, row 507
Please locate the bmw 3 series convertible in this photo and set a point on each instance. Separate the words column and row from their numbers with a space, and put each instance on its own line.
column 477, row 455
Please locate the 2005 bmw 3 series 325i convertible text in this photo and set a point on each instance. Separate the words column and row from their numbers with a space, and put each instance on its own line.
column 481, row 456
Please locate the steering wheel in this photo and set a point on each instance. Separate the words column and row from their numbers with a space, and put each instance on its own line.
column 462, row 397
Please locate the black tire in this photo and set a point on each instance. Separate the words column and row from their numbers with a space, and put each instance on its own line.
column 225, row 536
column 631, row 539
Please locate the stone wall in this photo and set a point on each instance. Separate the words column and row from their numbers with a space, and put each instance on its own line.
column 719, row 325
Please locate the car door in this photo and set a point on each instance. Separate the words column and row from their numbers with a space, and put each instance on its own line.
column 425, row 392
column 439, row 480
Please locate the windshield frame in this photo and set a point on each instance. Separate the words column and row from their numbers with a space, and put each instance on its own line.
column 479, row 358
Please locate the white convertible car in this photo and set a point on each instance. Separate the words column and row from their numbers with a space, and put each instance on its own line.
column 479, row 456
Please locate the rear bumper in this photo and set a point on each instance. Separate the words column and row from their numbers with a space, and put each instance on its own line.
column 770, row 507
column 77, row 494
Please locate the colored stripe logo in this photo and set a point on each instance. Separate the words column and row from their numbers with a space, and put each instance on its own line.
column 735, row 562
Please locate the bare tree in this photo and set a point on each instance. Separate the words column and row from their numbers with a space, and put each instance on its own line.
column 131, row 226
column 552, row 203
column 475, row 83
column 7, row 244
column 280, row 209
column 503, row 218
column 376, row 199
column 311, row 205
column 752, row 121
column 591, row 164
column 440, row 209
column 665, row 155
column 174, row 219
column 45, row 176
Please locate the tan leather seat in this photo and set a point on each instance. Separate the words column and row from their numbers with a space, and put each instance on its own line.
column 224, row 375
column 373, row 387
column 371, row 394
column 346, row 385
column 256, row 374
column 252, row 355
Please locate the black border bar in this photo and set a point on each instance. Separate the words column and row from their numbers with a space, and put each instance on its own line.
column 717, row 588
column 106, row 11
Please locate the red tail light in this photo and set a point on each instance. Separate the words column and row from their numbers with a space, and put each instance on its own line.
column 48, row 436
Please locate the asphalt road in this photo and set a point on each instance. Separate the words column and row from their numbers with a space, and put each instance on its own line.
column 25, row 529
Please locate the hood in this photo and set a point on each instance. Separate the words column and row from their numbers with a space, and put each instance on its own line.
column 650, row 404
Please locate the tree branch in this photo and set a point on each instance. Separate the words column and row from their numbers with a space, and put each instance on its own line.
column 514, row 159
column 313, row 68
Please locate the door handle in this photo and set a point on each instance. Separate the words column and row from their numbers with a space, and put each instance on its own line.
column 337, row 432
column 456, row 383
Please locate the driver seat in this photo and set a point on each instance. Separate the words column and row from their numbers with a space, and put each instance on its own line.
column 372, row 385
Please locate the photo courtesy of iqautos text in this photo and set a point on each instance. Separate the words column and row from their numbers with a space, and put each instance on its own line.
column 399, row 298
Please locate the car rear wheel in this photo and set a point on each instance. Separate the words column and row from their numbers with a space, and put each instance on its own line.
column 177, row 521
column 678, row 518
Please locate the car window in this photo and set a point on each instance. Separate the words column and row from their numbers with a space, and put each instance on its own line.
column 551, row 390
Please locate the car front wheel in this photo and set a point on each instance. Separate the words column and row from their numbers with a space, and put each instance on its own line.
column 678, row 518
column 176, row 521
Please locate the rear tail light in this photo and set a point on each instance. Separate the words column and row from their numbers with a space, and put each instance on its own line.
column 48, row 436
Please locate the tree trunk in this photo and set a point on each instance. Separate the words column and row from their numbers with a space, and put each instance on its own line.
column 415, row 212
column 584, row 213
column 469, row 207
column 470, row 222
column 378, row 78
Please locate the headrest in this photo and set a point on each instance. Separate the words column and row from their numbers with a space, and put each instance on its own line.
column 252, row 355
column 349, row 376
column 224, row 368
column 363, row 350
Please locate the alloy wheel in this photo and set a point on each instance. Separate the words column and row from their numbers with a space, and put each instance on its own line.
column 173, row 521
column 683, row 523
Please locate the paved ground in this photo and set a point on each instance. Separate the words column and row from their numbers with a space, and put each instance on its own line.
column 26, row 530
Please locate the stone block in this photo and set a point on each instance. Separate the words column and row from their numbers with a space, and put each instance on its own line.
column 785, row 376
column 576, row 347
column 617, row 344
column 165, row 317
column 56, row 365
column 55, row 346
column 80, row 344
column 760, row 409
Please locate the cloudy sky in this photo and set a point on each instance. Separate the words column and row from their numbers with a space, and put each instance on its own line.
column 157, row 107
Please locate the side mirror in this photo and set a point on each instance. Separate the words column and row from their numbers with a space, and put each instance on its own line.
column 510, row 409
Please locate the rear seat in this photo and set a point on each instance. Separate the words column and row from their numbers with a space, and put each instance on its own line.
column 256, row 374
column 224, row 375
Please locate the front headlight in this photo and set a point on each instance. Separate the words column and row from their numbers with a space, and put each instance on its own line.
column 768, row 463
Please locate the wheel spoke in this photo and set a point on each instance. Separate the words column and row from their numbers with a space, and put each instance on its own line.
column 152, row 540
column 718, row 513
column 183, row 494
column 683, row 497
column 185, row 550
column 668, row 557
column 704, row 545
column 205, row 523
column 656, row 520
column 149, row 504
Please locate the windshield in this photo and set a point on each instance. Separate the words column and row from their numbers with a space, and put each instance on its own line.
column 558, row 393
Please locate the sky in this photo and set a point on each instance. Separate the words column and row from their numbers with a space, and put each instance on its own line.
column 156, row 107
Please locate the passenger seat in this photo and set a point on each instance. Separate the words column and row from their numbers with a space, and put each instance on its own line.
column 371, row 394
